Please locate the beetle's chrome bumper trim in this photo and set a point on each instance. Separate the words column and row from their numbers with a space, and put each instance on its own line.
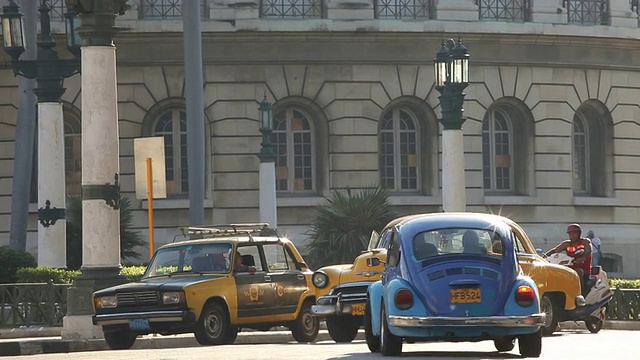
column 508, row 321
column 152, row 316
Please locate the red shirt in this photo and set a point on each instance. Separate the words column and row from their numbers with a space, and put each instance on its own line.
column 586, row 264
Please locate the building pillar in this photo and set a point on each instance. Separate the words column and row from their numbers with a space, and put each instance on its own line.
column 268, row 202
column 52, row 228
column 100, row 166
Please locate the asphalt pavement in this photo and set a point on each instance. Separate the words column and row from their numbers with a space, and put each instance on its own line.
column 42, row 340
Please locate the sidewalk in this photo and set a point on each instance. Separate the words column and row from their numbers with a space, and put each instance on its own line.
column 47, row 340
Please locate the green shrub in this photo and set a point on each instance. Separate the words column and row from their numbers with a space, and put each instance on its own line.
column 625, row 283
column 63, row 276
column 12, row 260
column 44, row 274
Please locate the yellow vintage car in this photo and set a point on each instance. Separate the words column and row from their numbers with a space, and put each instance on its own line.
column 341, row 289
column 237, row 276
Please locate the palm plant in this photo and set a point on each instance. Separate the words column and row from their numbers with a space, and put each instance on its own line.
column 129, row 239
column 343, row 225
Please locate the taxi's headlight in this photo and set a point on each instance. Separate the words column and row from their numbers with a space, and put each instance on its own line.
column 106, row 302
column 320, row 279
column 172, row 297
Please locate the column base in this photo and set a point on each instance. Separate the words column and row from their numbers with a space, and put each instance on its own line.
column 78, row 324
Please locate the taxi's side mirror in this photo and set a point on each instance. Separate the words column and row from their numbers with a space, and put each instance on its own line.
column 373, row 262
column 539, row 251
column 303, row 264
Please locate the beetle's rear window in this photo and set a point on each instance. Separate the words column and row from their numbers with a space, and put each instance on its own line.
column 457, row 241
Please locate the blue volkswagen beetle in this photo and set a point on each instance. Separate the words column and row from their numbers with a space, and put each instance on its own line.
column 452, row 277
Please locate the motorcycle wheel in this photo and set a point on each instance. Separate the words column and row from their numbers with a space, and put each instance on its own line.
column 594, row 324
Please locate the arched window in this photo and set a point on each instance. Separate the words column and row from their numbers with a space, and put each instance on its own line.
column 172, row 126
column 592, row 153
column 292, row 138
column 72, row 154
column 497, row 152
column 399, row 156
column 507, row 140
column 581, row 183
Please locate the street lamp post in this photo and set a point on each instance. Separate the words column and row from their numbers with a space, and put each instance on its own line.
column 49, row 72
column 451, row 67
column 268, row 205
column 100, row 165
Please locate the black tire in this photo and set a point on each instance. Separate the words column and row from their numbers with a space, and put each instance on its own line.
column 342, row 329
column 119, row 340
column 530, row 345
column 213, row 327
column 305, row 328
column 390, row 345
column 232, row 335
column 552, row 311
column 505, row 344
column 594, row 324
column 373, row 342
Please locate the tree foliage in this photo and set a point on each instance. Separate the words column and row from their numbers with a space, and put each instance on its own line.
column 129, row 239
column 343, row 225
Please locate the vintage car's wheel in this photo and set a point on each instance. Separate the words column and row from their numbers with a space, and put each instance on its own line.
column 530, row 345
column 373, row 342
column 390, row 345
column 342, row 329
column 594, row 324
column 548, row 306
column 214, row 326
column 231, row 336
column 306, row 327
column 505, row 344
column 119, row 340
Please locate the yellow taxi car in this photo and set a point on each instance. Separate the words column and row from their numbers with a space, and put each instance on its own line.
column 341, row 289
column 237, row 276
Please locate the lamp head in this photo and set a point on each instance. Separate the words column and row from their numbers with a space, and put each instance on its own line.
column 266, row 117
column 13, row 30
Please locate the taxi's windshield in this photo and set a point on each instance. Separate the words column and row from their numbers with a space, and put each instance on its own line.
column 457, row 241
column 195, row 258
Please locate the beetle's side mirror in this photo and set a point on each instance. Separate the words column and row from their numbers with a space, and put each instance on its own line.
column 373, row 262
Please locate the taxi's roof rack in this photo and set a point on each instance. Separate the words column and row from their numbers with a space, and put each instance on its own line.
column 221, row 230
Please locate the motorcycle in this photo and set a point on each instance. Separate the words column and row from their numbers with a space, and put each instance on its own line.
column 598, row 293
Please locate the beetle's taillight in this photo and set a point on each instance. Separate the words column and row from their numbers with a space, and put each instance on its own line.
column 525, row 295
column 403, row 299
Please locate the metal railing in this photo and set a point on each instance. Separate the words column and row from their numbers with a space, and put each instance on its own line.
column 32, row 304
column 587, row 12
column 635, row 4
column 292, row 9
column 625, row 305
column 404, row 9
column 505, row 10
column 166, row 9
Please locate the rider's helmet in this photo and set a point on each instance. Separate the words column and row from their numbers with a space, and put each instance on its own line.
column 574, row 227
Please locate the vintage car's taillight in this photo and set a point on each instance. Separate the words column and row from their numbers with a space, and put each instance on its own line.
column 320, row 279
column 403, row 299
column 525, row 295
column 106, row 302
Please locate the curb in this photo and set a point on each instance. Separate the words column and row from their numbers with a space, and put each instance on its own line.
column 58, row 345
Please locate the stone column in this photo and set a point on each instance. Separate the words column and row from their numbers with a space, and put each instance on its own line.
column 100, row 166
column 622, row 15
column 268, row 202
column 52, row 229
column 454, row 197
column 463, row 10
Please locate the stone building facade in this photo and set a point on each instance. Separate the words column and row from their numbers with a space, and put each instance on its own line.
column 551, row 136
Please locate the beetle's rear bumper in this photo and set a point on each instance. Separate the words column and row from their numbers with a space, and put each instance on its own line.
column 443, row 321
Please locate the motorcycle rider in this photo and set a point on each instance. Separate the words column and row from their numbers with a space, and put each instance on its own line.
column 582, row 263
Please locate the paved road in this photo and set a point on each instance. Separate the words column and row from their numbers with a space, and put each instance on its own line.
column 593, row 347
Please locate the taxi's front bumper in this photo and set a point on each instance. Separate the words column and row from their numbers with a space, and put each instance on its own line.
column 442, row 321
column 159, row 316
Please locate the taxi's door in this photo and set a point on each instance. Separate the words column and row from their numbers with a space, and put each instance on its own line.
column 290, row 281
column 255, row 292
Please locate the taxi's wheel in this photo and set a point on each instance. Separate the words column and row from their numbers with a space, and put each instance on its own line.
column 232, row 335
column 390, row 345
column 551, row 310
column 505, row 344
column 530, row 345
column 342, row 328
column 119, row 340
column 213, row 328
column 305, row 328
column 373, row 342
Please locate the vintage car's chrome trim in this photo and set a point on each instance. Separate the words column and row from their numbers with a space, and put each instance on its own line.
column 337, row 304
column 425, row 321
column 153, row 316
column 323, row 310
